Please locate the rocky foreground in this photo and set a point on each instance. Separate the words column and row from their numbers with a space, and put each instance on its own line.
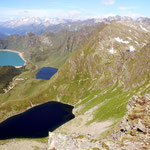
column 23, row 145
column 132, row 134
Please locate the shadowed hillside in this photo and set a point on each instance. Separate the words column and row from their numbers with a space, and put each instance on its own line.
column 7, row 74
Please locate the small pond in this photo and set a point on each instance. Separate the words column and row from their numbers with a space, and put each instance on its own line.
column 46, row 73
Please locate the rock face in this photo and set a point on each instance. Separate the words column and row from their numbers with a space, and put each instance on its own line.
column 72, row 142
column 134, row 129
column 137, row 116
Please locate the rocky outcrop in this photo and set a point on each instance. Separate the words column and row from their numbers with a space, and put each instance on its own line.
column 134, row 130
column 72, row 142
column 132, row 134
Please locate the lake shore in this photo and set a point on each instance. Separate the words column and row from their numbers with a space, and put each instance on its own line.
column 19, row 53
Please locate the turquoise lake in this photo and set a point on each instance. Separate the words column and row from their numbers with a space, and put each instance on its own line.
column 10, row 59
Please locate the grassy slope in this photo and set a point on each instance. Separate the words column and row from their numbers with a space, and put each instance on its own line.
column 91, row 77
column 54, row 56
column 30, row 86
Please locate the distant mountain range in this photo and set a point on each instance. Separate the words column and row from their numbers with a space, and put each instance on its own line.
column 33, row 20
column 40, row 25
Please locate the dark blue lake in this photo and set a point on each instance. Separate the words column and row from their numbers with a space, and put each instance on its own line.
column 37, row 121
column 10, row 59
column 46, row 73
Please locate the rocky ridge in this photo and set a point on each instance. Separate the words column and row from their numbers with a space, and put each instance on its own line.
column 40, row 25
column 134, row 130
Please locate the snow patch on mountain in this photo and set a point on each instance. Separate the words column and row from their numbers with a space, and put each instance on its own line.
column 121, row 41
column 132, row 49
column 136, row 42
column 112, row 51
column 34, row 20
column 144, row 28
column 98, row 20
column 129, row 38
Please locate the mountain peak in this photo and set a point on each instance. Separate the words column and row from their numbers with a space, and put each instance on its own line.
column 34, row 20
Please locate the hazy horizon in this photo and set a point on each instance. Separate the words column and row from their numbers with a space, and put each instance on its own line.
column 70, row 9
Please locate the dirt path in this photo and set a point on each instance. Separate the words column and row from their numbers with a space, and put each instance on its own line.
column 24, row 145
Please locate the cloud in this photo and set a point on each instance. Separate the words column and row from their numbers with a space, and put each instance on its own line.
column 9, row 13
column 108, row 2
column 127, row 8
column 75, row 14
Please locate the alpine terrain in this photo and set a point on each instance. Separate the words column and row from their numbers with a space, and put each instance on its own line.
column 103, row 71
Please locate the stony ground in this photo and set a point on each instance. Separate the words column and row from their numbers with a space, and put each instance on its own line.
column 24, row 145
column 72, row 142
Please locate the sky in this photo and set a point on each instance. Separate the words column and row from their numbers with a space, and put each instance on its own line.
column 73, row 9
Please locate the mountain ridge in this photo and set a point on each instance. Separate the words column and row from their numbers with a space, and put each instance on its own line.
column 40, row 25
column 98, row 78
